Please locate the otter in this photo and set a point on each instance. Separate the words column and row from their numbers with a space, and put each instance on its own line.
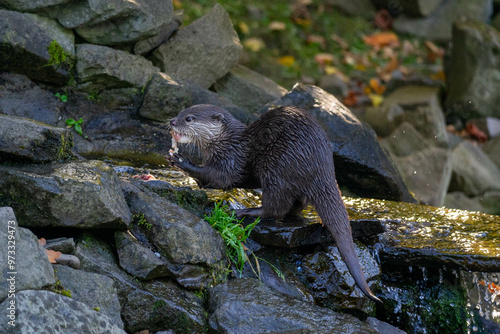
column 285, row 152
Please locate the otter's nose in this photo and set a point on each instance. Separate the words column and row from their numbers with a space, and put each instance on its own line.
column 173, row 122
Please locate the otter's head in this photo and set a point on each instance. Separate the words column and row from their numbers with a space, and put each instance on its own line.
column 200, row 124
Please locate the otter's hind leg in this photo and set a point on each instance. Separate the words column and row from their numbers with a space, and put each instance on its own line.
column 275, row 204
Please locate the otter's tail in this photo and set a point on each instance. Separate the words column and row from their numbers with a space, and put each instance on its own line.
column 332, row 212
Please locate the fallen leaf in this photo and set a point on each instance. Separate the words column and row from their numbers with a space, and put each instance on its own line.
column 382, row 39
column 376, row 86
column 277, row 26
column 476, row 133
column 351, row 99
column 243, row 27
column 287, row 61
column 439, row 75
column 434, row 52
column 376, row 99
column 316, row 39
column 52, row 255
column 383, row 19
column 340, row 41
column 324, row 58
column 254, row 44
column 42, row 241
column 386, row 73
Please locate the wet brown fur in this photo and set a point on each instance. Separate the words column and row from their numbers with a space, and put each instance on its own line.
column 285, row 152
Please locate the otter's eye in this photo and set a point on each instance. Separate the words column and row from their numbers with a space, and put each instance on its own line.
column 189, row 119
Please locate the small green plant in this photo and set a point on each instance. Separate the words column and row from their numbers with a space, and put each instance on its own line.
column 97, row 309
column 76, row 124
column 62, row 97
column 58, row 56
column 159, row 304
column 141, row 221
column 233, row 232
column 93, row 96
column 58, row 288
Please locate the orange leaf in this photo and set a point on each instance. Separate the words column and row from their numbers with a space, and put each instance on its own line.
column 376, row 86
column 351, row 99
column 382, row 39
column 42, row 241
column 52, row 255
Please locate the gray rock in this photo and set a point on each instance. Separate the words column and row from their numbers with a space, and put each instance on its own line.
column 413, row 8
column 25, row 265
column 147, row 45
column 419, row 106
column 48, row 312
column 31, row 5
column 203, row 52
column 248, row 89
column 334, row 85
column 112, row 68
column 26, row 140
column 331, row 283
column 94, row 290
column 138, row 260
column 427, row 174
column 164, row 98
column 156, row 305
column 438, row 25
column 405, row 140
column 473, row 172
column 249, row 306
column 23, row 98
column 353, row 158
column 472, row 75
column 63, row 245
column 383, row 327
column 80, row 194
column 183, row 237
column 491, row 148
column 24, row 45
column 489, row 202
column 116, row 22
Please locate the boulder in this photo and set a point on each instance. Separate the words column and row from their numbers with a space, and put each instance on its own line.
column 31, row 5
column 473, row 172
column 333, row 84
column 112, row 68
column 427, row 174
column 25, row 265
column 248, row 89
column 178, row 234
column 203, row 52
column 491, row 148
column 322, row 268
column 486, row 203
column 25, row 140
column 420, row 106
column 23, row 98
column 155, row 305
column 45, row 311
column 26, row 44
column 249, row 306
column 94, row 290
column 473, row 74
column 164, row 98
column 116, row 22
column 84, row 194
column 438, row 25
column 137, row 259
column 354, row 144
column 404, row 141
column 412, row 8
column 145, row 46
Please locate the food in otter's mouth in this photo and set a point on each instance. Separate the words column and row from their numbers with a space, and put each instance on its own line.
column 174, row 148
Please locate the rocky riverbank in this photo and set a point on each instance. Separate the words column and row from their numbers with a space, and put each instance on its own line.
column 86, row 90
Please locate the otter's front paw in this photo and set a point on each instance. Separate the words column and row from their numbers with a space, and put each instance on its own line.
column 178, row 161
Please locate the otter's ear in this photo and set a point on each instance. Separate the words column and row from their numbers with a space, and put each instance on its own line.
column 219, row 116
